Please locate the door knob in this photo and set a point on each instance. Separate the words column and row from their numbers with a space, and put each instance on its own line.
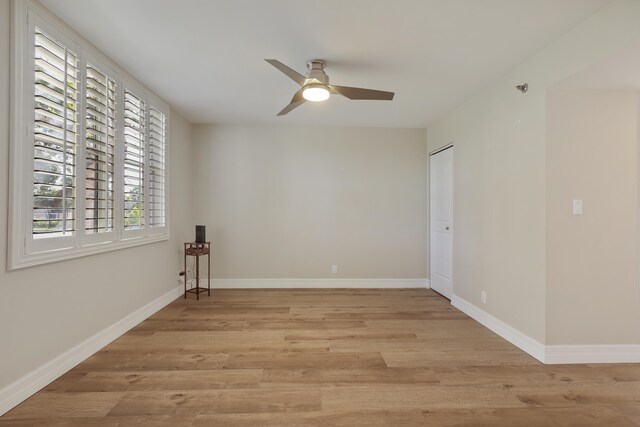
column 446, row 228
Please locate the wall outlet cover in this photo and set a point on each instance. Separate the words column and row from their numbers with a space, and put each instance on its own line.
column 577, row 207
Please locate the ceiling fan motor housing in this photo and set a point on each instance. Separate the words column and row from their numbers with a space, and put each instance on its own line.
column 316, row 71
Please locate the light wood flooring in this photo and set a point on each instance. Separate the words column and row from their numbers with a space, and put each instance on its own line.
column 326, row 357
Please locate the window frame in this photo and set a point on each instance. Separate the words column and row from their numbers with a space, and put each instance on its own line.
column 23, row 250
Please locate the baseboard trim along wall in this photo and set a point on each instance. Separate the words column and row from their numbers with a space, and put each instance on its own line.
column 21, row 389
column 514, row 336
column 563, row 354
column 550, row 354
column 318, row 283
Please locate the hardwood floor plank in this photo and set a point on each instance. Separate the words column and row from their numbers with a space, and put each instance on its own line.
column 628, row 410
column 218, row 401
column 305, row 325
column 320, row 357
column 213, row 347
column 67, row 405
column 168, row 380
column 247, row 311
column 350, row 334
column 183, row 337
column 342, row 376
column 159, row 325
column 439, row 357
column 593, row 416
column 132, row 421
column 304, row 360
column 416, row 397
column 622, row 372
column 411, row 315
column 579, row 394
column 64, row 383
column 518, row 375
column 419, row 344
column 316, row 419
column 127, row 360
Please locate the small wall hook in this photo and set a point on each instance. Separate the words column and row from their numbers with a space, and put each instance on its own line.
column 523, row 87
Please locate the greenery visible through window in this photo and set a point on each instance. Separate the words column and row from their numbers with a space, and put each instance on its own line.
column 55, row 137
column 134, row 160
column 89, row 147
column 99, row 151
column 56, row 127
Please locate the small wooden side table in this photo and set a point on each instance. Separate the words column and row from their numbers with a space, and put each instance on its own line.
column 197, row 250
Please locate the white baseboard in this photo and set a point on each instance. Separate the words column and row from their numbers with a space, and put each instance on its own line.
column 318, row 283
column 551, row 354
column 565, row 354
column 514, row 336
column 18, row 391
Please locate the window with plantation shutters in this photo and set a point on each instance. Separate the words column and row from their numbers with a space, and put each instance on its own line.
column 100, row 108
column 157, row 161
column 89, row 148
column 54, row 134
column 134, row 161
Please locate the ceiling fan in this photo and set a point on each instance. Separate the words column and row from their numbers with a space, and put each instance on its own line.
column 316, row 87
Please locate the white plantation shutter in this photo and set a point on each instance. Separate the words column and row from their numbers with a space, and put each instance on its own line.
column 157, row 166
column 89, row 147
column 55, row 128
column 100, row 96
column 134, row 161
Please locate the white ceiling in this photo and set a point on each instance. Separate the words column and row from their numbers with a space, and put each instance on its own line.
column 205, row 57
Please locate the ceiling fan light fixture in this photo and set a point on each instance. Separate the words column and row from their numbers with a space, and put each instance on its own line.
column 315, row 92
column 315, row 86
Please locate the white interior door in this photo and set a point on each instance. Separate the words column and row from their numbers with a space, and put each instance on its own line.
column 441, row 221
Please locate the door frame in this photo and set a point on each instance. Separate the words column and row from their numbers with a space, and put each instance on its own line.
column 429, row 154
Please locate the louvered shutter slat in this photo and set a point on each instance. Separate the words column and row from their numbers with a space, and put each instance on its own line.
column 55, row 123
column 99, row 149
column 134, row 161
column 157, row 166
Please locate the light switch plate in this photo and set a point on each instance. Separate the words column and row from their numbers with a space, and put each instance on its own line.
column 577, row 207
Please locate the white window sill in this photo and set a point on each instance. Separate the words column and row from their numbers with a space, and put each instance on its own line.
column 31, row 260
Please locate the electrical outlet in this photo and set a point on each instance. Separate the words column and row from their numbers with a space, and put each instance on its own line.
column 334, row 269
column 577, row 207
column 483, row 297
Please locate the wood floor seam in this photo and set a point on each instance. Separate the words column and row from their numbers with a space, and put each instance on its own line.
column 323, row 357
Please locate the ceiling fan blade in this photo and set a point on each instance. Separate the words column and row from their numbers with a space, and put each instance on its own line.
column 296, row 101
column 292, row 74
column 360, row 93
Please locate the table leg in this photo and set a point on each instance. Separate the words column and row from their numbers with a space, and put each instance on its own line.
column 198, row 277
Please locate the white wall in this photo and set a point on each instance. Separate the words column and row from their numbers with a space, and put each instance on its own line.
column 46, row 310
column 500, row 172
column 499, row 204
column 289, row 202
column 593, row 294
